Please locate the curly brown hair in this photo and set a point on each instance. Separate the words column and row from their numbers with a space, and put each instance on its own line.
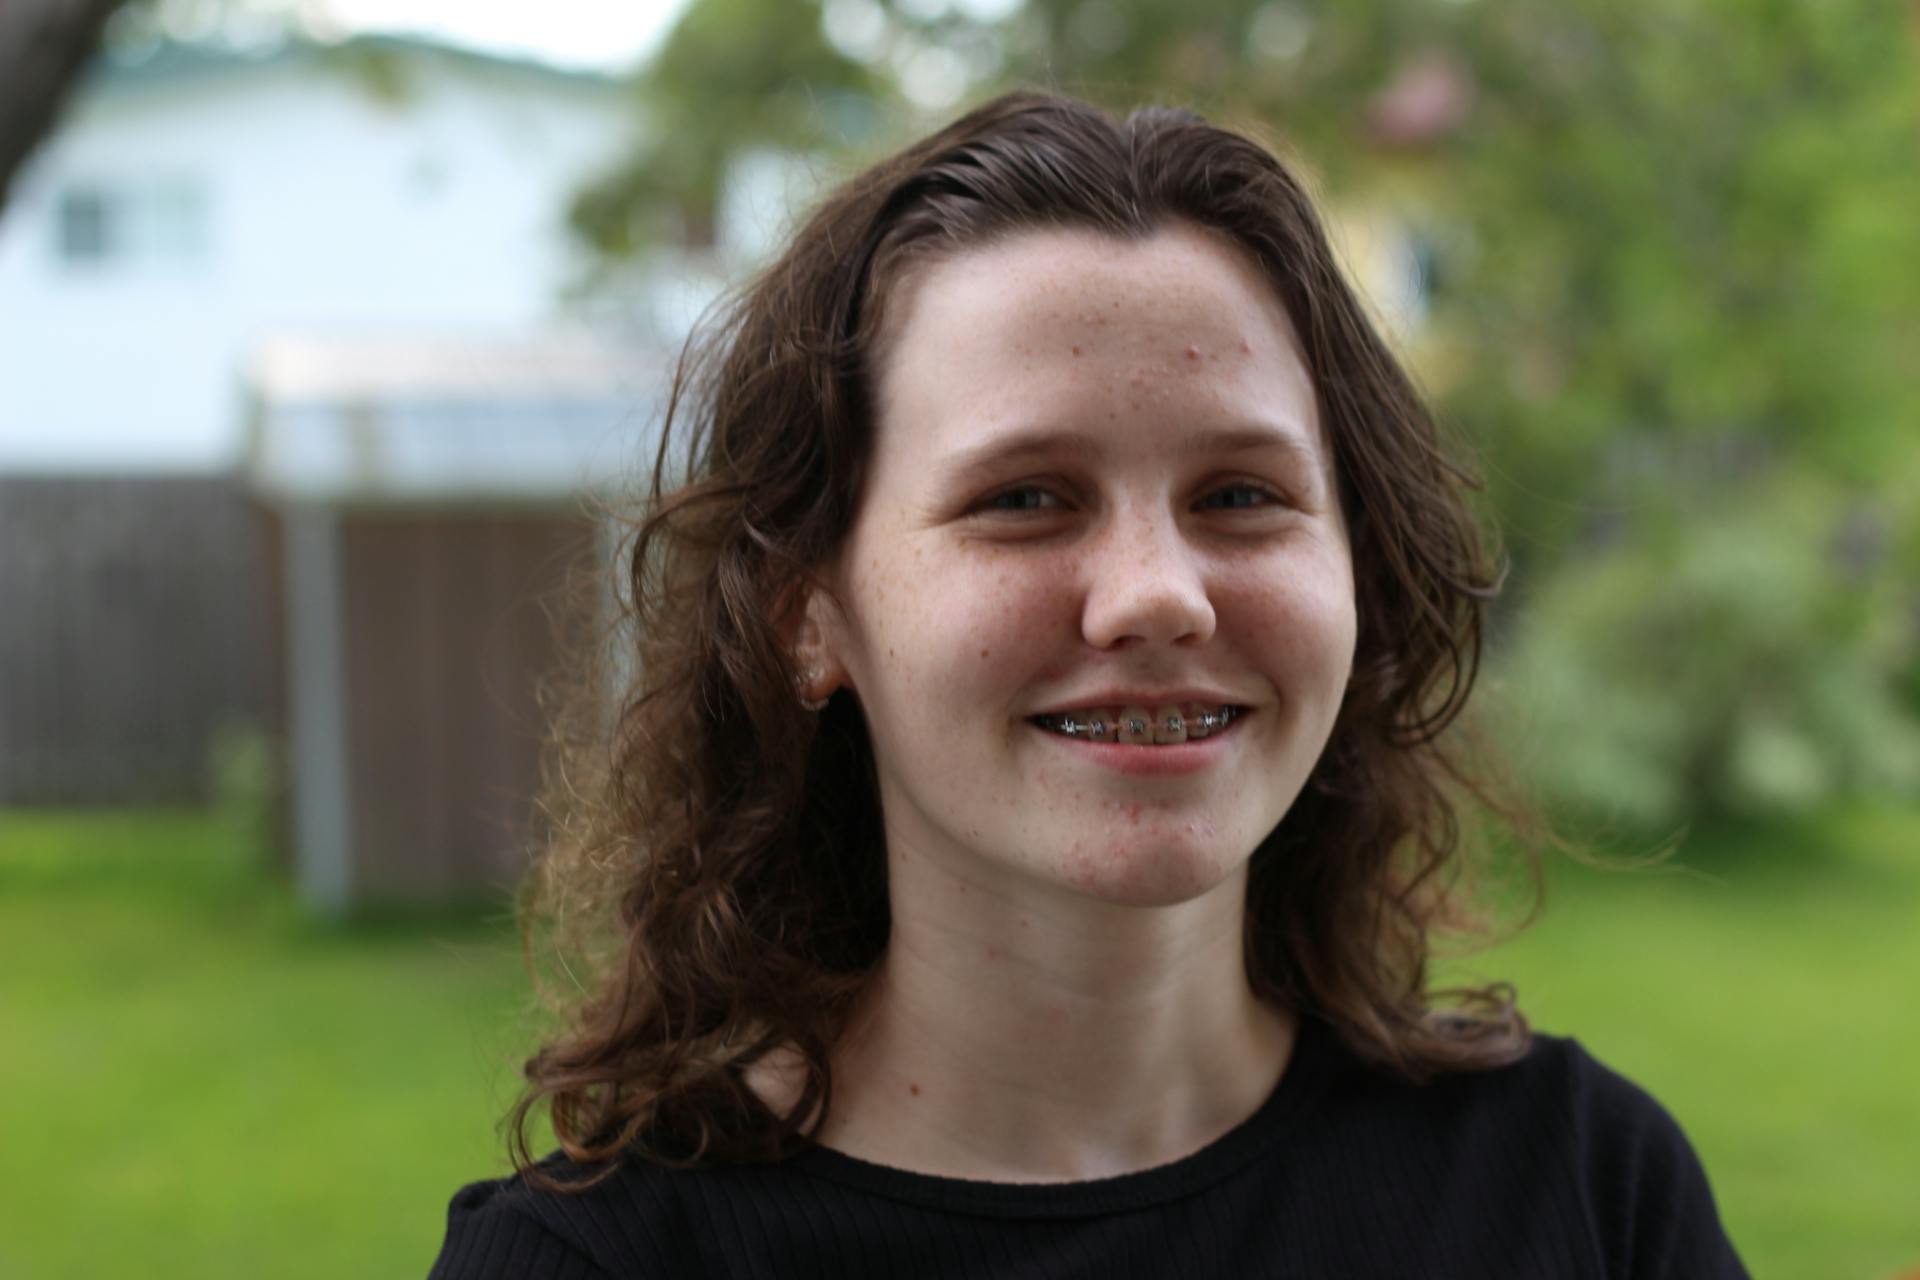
column 716, row 861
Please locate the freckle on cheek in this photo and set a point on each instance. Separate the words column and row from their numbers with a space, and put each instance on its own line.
column 984, row 652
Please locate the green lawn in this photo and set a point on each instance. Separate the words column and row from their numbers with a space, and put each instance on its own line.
column 198, row 1080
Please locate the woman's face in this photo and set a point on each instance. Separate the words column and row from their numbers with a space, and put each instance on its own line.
column 1099, row 488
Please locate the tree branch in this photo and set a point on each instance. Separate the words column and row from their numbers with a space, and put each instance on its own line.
column 44, row 46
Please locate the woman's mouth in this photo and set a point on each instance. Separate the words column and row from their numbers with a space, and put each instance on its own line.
column 1141, row 726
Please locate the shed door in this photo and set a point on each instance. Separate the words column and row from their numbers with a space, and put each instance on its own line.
column 447, row 632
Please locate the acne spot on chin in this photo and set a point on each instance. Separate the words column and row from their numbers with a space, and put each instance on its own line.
column 1076, row 351
column 985, row 652
column 913, row 1088
column 1193, row 352
column 1246, row 348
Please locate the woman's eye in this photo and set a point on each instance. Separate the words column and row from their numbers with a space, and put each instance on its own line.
column 1026, row 498
column 1238, row 496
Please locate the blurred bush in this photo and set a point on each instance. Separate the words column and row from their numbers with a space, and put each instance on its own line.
column 1738, row 661
column 244, row 779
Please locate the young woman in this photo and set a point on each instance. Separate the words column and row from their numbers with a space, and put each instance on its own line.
column 1019, row 850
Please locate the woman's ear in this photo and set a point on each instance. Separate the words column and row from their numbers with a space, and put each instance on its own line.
column 809, row 634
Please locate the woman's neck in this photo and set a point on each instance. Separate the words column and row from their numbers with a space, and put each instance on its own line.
column 1053, row 1039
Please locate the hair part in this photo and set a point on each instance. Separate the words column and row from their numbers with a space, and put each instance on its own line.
column 715, row 855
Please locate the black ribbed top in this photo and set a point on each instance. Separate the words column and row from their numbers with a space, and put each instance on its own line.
column 1554, row 1166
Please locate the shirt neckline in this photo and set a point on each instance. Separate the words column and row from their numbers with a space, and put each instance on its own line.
column 1308, row 1068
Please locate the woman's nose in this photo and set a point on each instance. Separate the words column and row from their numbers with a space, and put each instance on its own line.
column 1144, row 583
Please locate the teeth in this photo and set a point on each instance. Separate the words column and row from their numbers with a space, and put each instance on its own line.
column 1139, row 726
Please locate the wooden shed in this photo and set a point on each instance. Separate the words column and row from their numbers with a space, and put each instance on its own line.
column 427, row 501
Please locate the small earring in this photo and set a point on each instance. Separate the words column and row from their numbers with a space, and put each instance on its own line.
column 802, row 681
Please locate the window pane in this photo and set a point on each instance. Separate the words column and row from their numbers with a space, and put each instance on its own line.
column 86, row 228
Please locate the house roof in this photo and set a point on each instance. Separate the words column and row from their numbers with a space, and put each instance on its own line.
column 412, row 421
column 175, row 63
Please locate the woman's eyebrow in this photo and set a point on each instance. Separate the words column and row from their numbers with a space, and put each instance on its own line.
column 1018, row 446
column 1257, row 438
column 1051, row 442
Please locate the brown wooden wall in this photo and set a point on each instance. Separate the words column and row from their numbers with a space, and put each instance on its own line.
column 135, row 618
column 446, row 634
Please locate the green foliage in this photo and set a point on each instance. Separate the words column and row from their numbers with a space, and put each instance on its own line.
column 734, row 76
column 244, row 780
column 1664, row 270
column 1679, row 222
column 1736, row 660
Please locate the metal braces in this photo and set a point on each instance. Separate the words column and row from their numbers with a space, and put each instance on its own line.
column 1209, row 721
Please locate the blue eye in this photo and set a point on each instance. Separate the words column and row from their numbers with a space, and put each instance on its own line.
column 1025, row 498
column 1239, row 497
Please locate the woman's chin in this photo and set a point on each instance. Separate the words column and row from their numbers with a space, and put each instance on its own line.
column 1148, row 872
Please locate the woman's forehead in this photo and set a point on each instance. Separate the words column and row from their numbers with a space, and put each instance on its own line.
column 1074, row 329
column 1039, row 282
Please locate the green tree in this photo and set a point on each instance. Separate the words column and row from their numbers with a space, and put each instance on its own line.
column 733, row 76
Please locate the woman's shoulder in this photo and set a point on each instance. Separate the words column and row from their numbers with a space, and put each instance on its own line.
column 1559, row 1082
column 628, row 1223
column 1574, row 1131
column 1556, row 1093
column 1630, row 1144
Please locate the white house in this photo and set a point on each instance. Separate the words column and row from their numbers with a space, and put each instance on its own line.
column 198, row 202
